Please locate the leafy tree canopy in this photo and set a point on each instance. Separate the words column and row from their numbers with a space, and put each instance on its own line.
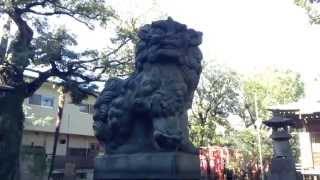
column 312, row 9
column 49, row 51
column 215, row 98
column 37, row 46
column 268, row 88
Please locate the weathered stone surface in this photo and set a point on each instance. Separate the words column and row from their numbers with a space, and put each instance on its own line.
column 142, row 120
column 147, row 112
column 147, row 166
column 282, row 169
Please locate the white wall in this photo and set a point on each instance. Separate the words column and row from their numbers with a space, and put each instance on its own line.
column 73, row 121
column 305, row 150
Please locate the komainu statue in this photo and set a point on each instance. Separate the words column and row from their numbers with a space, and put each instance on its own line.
column 147, row 112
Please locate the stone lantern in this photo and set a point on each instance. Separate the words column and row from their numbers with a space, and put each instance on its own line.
column 282, row 164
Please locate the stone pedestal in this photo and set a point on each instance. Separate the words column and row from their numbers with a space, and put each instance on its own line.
column 161, row 165
column 282, row 169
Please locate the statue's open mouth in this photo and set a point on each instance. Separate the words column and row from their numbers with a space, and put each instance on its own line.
column 167, row 54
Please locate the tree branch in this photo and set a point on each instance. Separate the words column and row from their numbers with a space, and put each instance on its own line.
column 36, row 83
column 25, row 32
column 33, row 4
column 33, row 70
column 252, row 119
column 21, row 47
column 88, row 92
column 5, row 40
column 86, row 78
column 84, row 61
column 61, row 13
column 118, row 48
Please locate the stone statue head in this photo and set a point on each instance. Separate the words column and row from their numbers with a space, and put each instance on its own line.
column 159, row 92
column 167, row 41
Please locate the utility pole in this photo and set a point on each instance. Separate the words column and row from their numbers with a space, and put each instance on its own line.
column 258, row 126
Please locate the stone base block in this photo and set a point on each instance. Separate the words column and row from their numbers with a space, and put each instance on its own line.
column 148, row 166
column 282, row 169
column 283, row 176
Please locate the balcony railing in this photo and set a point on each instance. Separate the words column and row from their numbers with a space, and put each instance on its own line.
column 80, row 162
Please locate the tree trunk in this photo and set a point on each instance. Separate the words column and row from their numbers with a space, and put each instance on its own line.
column 201, row 139
column 11, row 127
column 5, row 40
column 57, row 131
column 202, row 132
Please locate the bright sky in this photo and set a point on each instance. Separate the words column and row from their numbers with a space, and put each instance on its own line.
column 248, row 35
column 251, row 34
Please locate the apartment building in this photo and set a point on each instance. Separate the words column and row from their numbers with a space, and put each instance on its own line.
column 76, row 144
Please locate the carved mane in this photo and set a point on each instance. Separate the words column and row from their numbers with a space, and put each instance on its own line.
column 156, row 96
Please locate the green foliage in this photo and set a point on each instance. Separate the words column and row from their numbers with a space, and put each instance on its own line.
column 127, row 30
column 123, row 58
column 203, row 134
column 35, row 12
column 245, row 142
column 49, row 52
column 245, row 146
column 312, row 9
column 50, row 45
column 300, row 3
column 271, row 87
column 37, row 158
column 215, row 98
column 36, row 45
column 84, row 11
column 30, row 118
column 221, row 92
column 268, row 88
column 295, row 146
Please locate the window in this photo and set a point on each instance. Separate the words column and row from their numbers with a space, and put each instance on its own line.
column 62, row 141
column 78, row 152
column 86, row 108
column 94, row 146
column 35, row 99
column 42, row 100
column 47, row 101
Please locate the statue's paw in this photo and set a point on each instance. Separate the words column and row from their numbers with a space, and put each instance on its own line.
column 167, row 141
column 188, row 147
